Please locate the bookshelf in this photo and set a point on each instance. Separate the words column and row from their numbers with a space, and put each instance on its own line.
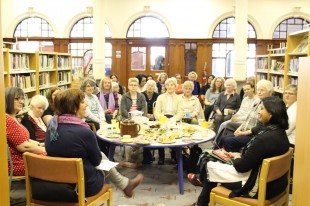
column 280, row 65
column 36, row 72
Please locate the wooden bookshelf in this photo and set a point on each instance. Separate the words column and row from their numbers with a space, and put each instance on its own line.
column 36, row 72
column 280, row 65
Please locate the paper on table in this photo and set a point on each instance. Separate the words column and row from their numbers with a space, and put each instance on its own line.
column 106, row 165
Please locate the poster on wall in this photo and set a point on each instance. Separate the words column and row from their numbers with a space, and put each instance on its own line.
column 88, row 63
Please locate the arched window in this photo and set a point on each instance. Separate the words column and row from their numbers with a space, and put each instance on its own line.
column 81, row 42
column 222, row 53
column 288, row 26
column 34, row 27
column 151, row 56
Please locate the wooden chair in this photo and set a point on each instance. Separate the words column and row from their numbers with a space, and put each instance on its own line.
column 272, row 169
column 61, row 170
column 12, row 178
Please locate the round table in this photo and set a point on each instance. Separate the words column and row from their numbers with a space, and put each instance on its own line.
column 206, row 135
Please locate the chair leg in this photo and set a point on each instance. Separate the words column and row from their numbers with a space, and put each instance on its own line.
column 212, row 199
column 123, row 151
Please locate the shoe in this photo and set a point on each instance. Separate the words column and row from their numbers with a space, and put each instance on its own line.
column 194, row 179
column 195, row 204
column 161, row 162
column 132, row 184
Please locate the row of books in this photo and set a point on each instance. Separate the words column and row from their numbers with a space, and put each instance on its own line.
column 46, row 61
column 23, row 81
column 63, row 62
column 64, row 76
column 262, row 63
column 44, row 78
column 277, row 65
column 277, row 81
column 294, row 65
column 293, row 80
column 19, row 62
column 261, row 76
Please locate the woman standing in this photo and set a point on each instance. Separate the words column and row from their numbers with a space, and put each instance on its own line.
column 94, row 112
column 32, row 121
column 69, row 136
column 270, row 140
column 49, row 112
column 17, row 135
column 179, row 89
column 217, row 86
column 108, row 99
column 132, row 100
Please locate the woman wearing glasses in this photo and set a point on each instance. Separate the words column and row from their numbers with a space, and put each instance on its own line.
column 17, row 135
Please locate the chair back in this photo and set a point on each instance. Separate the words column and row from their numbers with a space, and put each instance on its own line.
column 54, row 169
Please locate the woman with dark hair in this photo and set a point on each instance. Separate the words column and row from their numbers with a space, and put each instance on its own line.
column 17, row 135
column 142, row 81
column 114, row 78
column 49, row 112
column 69, row 136
column 205, row 87
column 270, row 140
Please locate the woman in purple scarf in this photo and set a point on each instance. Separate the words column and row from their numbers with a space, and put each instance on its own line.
column 108, row 99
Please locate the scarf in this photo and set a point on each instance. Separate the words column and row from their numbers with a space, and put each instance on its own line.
column 103, row 102
column 63, row 119
column 38, row 120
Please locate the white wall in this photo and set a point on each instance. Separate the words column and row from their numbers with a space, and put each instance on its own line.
column 185, row 19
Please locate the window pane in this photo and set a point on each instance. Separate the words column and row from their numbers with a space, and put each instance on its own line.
column 33, row 27
column 289, row 25
column 218, row 67
column 138, row 57
column 158, row 58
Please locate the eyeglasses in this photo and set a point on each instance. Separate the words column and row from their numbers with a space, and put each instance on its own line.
column 133, row 85
column 289, row 93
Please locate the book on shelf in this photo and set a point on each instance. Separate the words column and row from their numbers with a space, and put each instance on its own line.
column 294, row 65
column 302, row 46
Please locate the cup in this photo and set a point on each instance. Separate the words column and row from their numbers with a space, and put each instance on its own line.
column 162, row 119
column 200, row 121
column 205, row 124
column 187, row 115
column 225, row 111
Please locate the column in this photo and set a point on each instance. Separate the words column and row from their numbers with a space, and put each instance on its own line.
column 240, row 41
column 98, row 39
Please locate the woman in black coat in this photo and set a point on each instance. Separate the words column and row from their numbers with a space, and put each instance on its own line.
column 269, row 140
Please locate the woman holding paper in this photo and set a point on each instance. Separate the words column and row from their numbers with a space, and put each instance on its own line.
column 270, row 140
column 69, row 136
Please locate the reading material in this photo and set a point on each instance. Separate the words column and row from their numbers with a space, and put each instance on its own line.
column 220, row 155
column 106, row 165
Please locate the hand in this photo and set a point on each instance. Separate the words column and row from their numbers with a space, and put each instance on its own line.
column 219, row 113
column 108, row 111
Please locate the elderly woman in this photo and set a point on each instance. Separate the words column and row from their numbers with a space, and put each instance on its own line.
column 17, row 135
column 241, row 133
column 32, row 121
column 94, row 112
column 170, row 105
column 108, row 99
column 151, row 97
column 227, row 103
column 114, row 78
column 49, row 112
column 217, row 86
column 162, row 77
column 132, row 100
column 191, row 105
column 270, row 140
column 69, row 136
column 115, row 88
column 192, row 76
column 179, row 89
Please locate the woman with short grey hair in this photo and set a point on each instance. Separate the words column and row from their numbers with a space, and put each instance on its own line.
column 33, row 121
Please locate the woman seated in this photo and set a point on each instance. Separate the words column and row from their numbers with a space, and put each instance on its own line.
column 192, row 76
column 115, row 88
column 170, row 105
column 17, row 135
column 69, row 136
column 32, row 121
column 270, row 140
column 151, row 97
column 191, row 105
column 162, row 77
column 49, row 112
column 226, row 104
column 94, row 112
column 142, row 81
column 132, row 100
column 217, row 86
column 108, row 99
column 114, row 78
column 205, row 88
column 179, row 89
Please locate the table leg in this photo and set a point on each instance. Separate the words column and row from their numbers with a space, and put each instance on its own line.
column 180, row 169
column 111, row 152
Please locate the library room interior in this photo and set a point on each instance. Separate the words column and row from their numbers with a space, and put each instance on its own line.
column 154, row 103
